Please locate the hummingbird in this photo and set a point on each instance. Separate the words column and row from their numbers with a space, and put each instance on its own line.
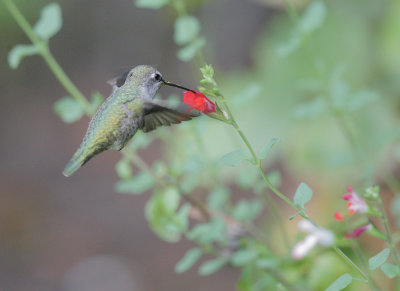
column 129, row 108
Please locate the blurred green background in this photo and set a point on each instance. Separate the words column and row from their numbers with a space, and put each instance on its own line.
column 78, row 234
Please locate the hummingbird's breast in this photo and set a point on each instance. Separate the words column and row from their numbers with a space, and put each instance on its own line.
column 114, row 123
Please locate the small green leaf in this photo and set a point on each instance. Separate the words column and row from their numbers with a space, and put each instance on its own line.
column 50, row 21
column 188, row 260
column 207, row 71
column 311, row 109
column 171, row 199
column 140, row 141
column 233, row 158
column 151, row 4
column 267, row 263
column 186, row 29
column 136, row 185
column 243, row 257
column 218, row 198
column 123, row 168
column 161, row 214
column 68, row 109
column 264, row 152
column 303, row 195
column 248, row 177
column 246, row 210
column 96, row 101
column 20, row 51
column 212, row 266
column 340, row 283
column 275, row 178
column 379, row 259
column 290, row 46
column 313, row 17
column 188, row 52
column 361, row 98
column 390, row 270
column 205, row 233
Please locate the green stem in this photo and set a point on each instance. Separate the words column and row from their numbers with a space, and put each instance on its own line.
column 291, row 12
column 389, row 239
column 44, row 51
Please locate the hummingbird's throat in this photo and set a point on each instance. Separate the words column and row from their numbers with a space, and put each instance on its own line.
column 177, row 86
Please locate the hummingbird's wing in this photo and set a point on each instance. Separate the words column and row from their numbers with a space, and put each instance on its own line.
column 118, row 81
column 156, row 115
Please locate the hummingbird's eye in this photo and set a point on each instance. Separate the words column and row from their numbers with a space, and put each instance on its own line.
column 157, row 77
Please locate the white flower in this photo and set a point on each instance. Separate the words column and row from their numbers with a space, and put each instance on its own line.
column 316, row 235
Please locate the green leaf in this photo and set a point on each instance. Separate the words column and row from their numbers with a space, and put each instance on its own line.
column 218, row 198
column 379, row 259
column 135, row 185
column 188, row 52
column 340, row 283
column 303, row 195
column 50, row 21
column 311, row 109
column 390, row 270
column 313, row 17
column 290, row 46
column 267, row 263
column 243, row 257
column 123, row 168
column 205, row 233
column 162, row 217
column 264, row 152
column 275, row 178
column 186, row 29
column 188, row 260
column 151, row 4
column 97, row 100
column 68, row 109
column 360, row 99
column 20, row 51
column 171, row 199
column 246, row 210
column 212, row 266
column 233, row 158
column 248, row 177
column 207, row 71
column 140, row 141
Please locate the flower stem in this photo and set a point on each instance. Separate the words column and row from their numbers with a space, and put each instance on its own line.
column 389, row 239
column 44, row 51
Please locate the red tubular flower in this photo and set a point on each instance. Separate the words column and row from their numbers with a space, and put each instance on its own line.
column 199, row 102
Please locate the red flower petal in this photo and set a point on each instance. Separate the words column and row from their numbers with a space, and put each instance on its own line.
column 199, row 102
column 339, row 216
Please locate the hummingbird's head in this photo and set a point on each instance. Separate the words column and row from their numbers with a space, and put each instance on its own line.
column 149, row 80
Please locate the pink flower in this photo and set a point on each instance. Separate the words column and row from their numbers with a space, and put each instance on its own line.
column 316, row 235
column 355, row 204
column 358, row 231
column 198, row 101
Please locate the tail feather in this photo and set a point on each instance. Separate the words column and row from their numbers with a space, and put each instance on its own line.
column 74, row 164
column 80, row 158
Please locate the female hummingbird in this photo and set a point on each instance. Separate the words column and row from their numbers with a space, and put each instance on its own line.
column 129, row 108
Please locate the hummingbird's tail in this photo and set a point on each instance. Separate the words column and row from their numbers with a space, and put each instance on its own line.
column 78, row 160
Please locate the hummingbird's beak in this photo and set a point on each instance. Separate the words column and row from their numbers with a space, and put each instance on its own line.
column 177, row 86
